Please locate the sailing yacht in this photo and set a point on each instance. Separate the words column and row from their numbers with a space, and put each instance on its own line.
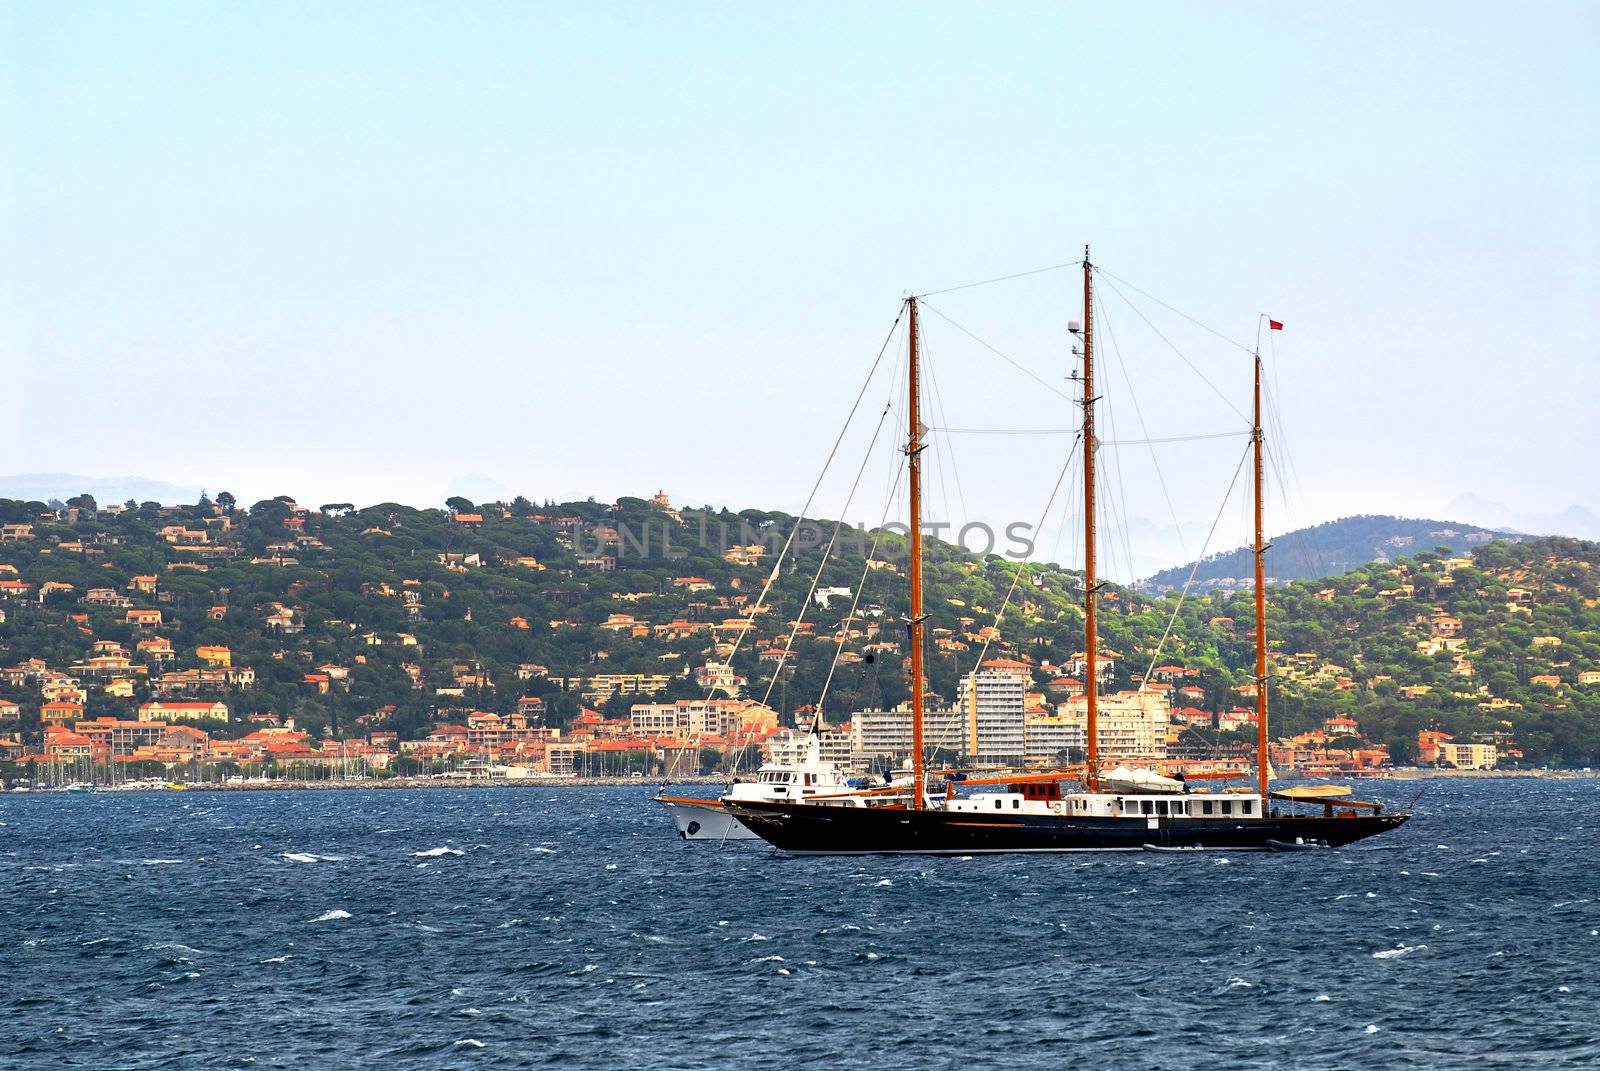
column 1116, row 810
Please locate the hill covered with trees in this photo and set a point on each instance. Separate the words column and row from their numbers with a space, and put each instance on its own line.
column 1330, row 549
column 401, row 618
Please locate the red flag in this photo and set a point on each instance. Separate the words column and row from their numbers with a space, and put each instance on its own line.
column 1274, row 325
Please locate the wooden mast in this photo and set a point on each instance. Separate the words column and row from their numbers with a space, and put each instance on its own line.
column 1261, row 602
column 1091, row 647
column 914, row 467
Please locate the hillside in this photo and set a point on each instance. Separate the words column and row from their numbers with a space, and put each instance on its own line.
column 401, row 618
column 1330, row 549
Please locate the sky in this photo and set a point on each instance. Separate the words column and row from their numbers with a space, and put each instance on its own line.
column 369, row 252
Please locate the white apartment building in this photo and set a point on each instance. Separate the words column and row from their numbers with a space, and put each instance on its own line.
column 993, row 701
column 1051, row 737
column 1131, row 725
column 697, row 717
column 885, row 735
column 788, row 748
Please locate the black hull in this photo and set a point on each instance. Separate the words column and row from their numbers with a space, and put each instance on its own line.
column 813, row 830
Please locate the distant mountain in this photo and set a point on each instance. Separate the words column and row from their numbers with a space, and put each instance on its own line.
column 1331, row 549
column 43, row 486
column 1577, row 521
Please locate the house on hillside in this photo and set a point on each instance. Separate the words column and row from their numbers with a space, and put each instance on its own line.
column 61, row 712
column 160, row 710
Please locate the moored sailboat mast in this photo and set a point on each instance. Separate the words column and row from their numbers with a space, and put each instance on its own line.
column 1261, row 598
column 1091, row 660
column 914, row 472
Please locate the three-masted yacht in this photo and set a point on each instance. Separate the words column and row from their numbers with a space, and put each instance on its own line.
column 1117, row 810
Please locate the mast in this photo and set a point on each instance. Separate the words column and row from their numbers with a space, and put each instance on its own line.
column 1091, row 647
column 1258, row 440
column 914, row 471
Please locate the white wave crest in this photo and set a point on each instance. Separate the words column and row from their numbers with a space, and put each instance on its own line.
column 332, row 916
column 1396, row 953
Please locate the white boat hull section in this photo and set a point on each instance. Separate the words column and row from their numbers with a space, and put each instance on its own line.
column 710, row 822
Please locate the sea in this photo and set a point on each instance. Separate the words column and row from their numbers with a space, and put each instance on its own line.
column 512, row 928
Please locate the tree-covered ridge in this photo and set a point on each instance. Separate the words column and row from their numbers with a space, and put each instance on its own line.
column 401, row 618
column 1330, row 549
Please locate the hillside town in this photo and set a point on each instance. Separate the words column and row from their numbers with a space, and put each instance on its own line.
column 209, row 642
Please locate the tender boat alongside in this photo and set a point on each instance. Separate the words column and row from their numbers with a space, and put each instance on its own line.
column 811, row 782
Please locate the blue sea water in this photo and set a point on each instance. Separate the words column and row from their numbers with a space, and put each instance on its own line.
column 501, row 928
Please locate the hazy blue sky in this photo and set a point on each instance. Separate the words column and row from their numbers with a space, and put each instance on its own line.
column 357, row 252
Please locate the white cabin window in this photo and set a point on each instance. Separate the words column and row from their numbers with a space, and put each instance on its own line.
column 1015, row 804
column 1244, row 808
column 1178, row 807
column 1227, row 806
column 1208, row 807
column 997, row 805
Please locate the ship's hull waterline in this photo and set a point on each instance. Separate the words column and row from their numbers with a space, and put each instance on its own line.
column 831, row 831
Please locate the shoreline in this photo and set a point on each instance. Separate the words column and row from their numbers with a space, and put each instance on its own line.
column 351, row 784
column 359, row 784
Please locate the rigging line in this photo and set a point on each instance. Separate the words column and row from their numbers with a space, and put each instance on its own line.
column 1022, row 566
column 1281, row 461
column 897, row 399
column 1300, row 543
column 855, row 602
column 1000, row 279
column 1214, row 745
column 1161, row 478
column 1280, row 431
column 1069, row 505
column 1119, row 525
column 930, row 393
column 1103, row 442
column 955, row 469
column 833, row 452
column 1290, row 490
column 1116, row 465
column 1098, row 270
column 1173, row 347
column 794, row 627
column 1195, row 569
column 1046, row 384
column 827, row 552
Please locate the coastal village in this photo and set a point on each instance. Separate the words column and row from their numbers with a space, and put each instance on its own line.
column 141, row 683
